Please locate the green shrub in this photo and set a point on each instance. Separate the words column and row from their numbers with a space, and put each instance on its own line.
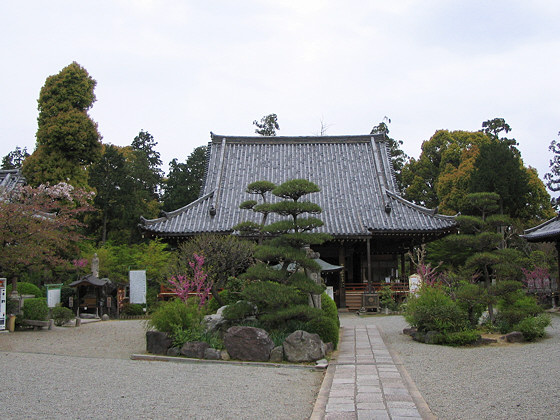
column 279, row 336
column 239, row 310
column 35, row 309
column 66, row 292
column 515, row 309
column 433, row 310
column 196, row 333
column 387, row 299
column 279, row 318
column 472, row 298
column 461, row 338
column 328, row 306
column 132, row 309
column 269, row 296
column 175, row 313
column 25, row 288
column 325, row 327
column 533, row 327
column 61, row 315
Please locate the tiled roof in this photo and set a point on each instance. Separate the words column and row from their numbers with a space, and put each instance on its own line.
column 358, row 188
column 10, row 179
column 548, row 231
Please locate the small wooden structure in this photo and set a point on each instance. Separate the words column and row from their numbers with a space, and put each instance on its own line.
column 548, row 231
column 95, row 296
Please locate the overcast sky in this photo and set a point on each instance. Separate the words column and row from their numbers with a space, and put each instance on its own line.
column 180, row 69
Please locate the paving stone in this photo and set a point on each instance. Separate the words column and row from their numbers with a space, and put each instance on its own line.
column 404, row 412
column 370, row 406
column 343, row 380
column 341, row 393
column 397, row 397
column 340, row 407
column 401, row 404
column 395, row 391
column 340, row 416
column 369, row 388
column 367, row 397
column 341, row 400
column 373, row 415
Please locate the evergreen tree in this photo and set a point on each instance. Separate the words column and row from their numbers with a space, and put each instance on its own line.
column 267, row 126
column 184, row 181
column 67, row 138
column 15, row 158
column 398, row 157
column 286, row 274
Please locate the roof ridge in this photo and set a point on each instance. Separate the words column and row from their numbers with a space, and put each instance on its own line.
column 425, row 210
column 169, row 214
column 317, row 139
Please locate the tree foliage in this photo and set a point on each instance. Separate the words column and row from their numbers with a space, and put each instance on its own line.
column 15, row 158
column 185, row 180
column 267, row 126
column 553, row 177
column 67, row 138
column 398, row 157
column 39, row 226
column 453, row 165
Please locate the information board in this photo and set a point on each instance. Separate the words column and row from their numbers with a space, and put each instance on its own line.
column 2, row 304
column 53, row 294
column 137, row 286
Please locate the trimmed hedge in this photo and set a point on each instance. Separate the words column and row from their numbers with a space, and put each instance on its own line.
column 35, row 309
column 25, row 288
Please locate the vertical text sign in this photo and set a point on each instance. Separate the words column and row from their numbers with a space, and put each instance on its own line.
column 137, row 286
column 2, row 304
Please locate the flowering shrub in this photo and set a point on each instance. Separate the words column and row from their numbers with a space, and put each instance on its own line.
column 184, row 285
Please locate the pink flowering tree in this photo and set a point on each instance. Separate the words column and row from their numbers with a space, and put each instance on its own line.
column 197, row 284
column 79, row 264
column 537, row 279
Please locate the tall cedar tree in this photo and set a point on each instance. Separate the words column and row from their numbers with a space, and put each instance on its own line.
column 67, row 138
column 267, row 126
column 184, row 181
column 398, row 157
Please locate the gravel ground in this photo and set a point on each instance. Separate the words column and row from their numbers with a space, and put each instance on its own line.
column 85, row 372
column 517, row 381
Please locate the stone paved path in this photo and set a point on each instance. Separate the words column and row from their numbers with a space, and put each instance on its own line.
column 367, row 382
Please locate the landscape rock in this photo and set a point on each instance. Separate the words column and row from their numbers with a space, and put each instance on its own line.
column 215, row 321
column 410, row 331
column 224, row 355
column 419, row 336
column 105, row 317
column 157, row 342
column 301, row 346
column 514, row 337
column 329, row 347
column 484, row 341
column 194, row 349
column 174, row 351
column 277, row 354
column 248, row 343
column 212, row 354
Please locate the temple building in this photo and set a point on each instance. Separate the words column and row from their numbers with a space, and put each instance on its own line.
column 372, row 226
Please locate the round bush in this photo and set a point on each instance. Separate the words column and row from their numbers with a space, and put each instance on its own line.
column 461, row 338
column 25, row 288
column 175, row 314
column 325, row 327
column 35, row 309
column 433, row 310
column 61, row 315
column 132, row 309
column 533, row 327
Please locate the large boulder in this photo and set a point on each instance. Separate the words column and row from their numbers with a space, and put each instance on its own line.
column 157, row 342
column 514, row 337
column 301, row 346
column 248, row 343
column 212, row 354
column 194, row 349
column 277, row 354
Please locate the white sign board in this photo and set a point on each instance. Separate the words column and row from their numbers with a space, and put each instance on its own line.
column 414, row 283
column 137, row 279
column 2, row 304
column 53, row 294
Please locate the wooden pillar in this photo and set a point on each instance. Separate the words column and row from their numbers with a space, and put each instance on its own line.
column 557, row 278
column 369, row 263
column 403, row 275
column 341, row 284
